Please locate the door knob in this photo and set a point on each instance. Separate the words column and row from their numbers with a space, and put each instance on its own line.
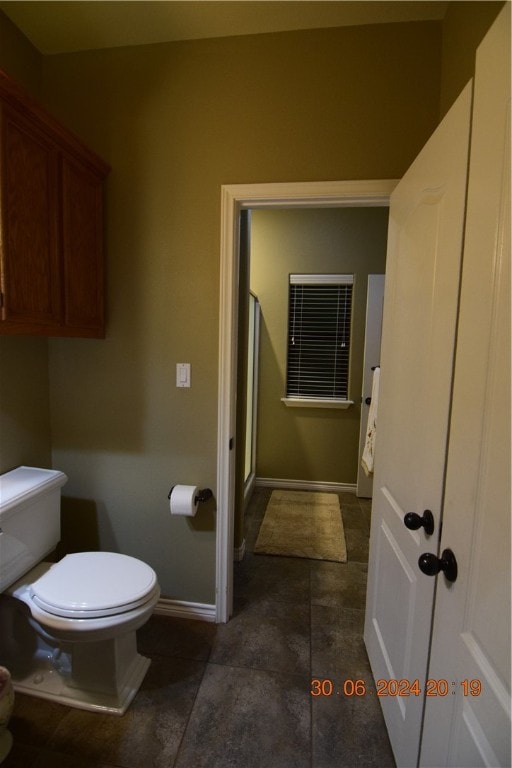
column 431, row 564
column 413, row 521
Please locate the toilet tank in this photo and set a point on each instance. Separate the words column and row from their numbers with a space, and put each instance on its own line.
column 29, row 519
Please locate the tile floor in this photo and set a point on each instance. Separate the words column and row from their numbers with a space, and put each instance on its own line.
column 238, row 695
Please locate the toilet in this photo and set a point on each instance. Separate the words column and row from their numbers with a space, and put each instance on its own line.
column 67, row 629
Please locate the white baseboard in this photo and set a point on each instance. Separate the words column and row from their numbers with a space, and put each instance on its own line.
column 306, row 485
column 181, row 609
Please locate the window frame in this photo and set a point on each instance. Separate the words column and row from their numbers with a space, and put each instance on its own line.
column 307, row 399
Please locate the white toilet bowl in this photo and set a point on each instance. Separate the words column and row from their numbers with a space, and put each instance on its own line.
column 73, row 626
column 89, row 596
column 67, row 629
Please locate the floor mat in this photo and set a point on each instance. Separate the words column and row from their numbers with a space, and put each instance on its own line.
column 303, row 524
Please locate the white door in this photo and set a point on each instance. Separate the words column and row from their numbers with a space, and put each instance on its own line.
column 372, row 338
column 418, row 338
column 470, row 726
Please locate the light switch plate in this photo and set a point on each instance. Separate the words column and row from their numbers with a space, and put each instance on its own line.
column 183, row 374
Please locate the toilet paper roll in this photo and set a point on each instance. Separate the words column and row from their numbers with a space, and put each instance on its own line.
column 182, row 500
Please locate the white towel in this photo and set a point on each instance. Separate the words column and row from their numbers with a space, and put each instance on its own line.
column 371, row 430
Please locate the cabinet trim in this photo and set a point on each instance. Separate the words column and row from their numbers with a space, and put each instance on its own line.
column 12, row 93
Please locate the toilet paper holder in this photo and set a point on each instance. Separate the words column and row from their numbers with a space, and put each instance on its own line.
column 202, row 495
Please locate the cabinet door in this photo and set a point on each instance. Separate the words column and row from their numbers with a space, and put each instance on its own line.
column 30, row 252
column 82, row 234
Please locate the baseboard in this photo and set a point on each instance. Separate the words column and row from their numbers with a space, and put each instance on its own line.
column 306, row 485
column 181, row 609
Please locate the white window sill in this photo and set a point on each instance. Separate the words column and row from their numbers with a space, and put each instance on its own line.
column 315, row 402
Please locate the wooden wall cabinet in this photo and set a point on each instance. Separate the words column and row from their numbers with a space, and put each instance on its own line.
column 51, row 224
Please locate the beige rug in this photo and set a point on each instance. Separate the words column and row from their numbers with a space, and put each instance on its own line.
column 303, row 524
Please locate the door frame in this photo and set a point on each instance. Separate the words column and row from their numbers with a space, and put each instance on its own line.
column 234, row 199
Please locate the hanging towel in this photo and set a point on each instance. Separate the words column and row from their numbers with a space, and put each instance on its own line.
column 369, row 446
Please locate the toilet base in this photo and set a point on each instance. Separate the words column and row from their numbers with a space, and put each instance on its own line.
column 100, row 676
column 46, row 683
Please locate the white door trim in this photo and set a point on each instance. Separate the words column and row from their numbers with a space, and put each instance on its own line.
column 234, row 198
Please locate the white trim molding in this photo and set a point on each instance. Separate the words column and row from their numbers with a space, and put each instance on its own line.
column 234, row 199
column 315, row 402
column 306, row 485
column 180, row 609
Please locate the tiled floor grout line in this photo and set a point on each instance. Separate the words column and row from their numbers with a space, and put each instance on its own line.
column 178, row 751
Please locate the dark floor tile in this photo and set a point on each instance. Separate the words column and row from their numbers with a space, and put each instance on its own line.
column 339, row 585
column 349, row 731
column 348, row 499
column 266, row 635
column 184, row 638
column 264, row 577
column 337, row 649
column 252, row 530
column 357, row 545
column 348, row 726
column 151, row 730
column 34, row 720
column 56, row 760
column 255, row 510
column 254, row 515
column 250, row 718
column 366, row 507
column 354, row 518
column 21, row 756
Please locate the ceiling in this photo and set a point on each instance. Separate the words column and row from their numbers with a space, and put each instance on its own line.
column 61, row 27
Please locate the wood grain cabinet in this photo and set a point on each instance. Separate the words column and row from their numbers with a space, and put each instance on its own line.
column 51, row 227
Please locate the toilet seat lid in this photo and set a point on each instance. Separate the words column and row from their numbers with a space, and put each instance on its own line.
column 93, row 584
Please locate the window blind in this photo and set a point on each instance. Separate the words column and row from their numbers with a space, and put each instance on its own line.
column 320, row 316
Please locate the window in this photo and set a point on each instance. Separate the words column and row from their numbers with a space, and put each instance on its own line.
column 319, row 324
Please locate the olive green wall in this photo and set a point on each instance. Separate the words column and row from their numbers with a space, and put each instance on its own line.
column 176, row 121
column 25, row 436
column 24, row 387
column 18, row 56
column 310, row 443
column 464, row 26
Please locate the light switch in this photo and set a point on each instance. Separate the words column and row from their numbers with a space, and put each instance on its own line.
column 183, row 374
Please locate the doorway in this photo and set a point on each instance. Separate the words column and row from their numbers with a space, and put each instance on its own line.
column 235, row 199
